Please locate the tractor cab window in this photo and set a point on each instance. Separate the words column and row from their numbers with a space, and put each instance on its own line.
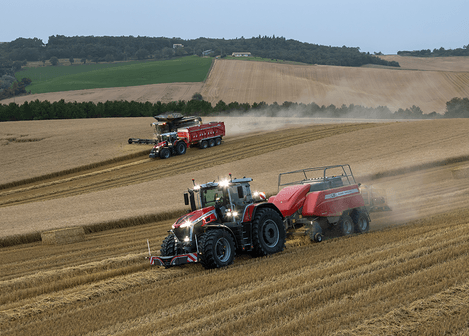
column 170, row 137
column 213, row 195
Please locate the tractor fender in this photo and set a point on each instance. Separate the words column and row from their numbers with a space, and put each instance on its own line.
column 258, row 206
column 224, row 227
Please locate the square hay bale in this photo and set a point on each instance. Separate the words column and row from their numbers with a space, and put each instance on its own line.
column 63, row 236
column 460, row 172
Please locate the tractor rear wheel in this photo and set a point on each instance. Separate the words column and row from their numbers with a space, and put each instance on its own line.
column 168, row 248
column 362, row 224
column 345, row 225
column 181, row 148
column 165, row 153
column 268, row 232
column 217, row 247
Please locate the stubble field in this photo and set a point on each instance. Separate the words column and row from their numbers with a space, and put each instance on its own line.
column 407, row 276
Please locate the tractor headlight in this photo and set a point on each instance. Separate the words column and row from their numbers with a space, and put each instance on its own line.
column 224, row 183
column 186, row 224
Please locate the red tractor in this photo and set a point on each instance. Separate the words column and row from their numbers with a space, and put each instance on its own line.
column 226, row 218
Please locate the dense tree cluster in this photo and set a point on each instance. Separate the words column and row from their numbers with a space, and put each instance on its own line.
column 115, row 48
column 44, row 110
column 7, row 89
column 442, row 52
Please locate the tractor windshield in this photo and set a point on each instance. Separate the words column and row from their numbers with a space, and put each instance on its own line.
column 210, row 196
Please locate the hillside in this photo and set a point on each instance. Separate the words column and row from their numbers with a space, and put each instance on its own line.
column 231, row 80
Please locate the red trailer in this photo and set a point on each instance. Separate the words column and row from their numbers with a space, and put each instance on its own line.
column 176, row 143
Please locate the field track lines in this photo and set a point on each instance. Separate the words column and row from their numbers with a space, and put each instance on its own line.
column 146, row 170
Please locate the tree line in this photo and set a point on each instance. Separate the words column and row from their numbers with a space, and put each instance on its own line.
column 118, row 48
column 441, row 52
column 45, row 110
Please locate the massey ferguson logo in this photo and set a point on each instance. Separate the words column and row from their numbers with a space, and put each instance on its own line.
column 341, row 193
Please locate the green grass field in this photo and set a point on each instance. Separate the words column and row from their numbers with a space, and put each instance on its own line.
column 106, row 75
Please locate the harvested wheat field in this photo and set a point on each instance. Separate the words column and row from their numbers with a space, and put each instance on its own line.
column 407, row 276
column 393, row 87
column 425, row 82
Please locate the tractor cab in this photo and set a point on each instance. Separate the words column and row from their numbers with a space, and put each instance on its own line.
column 170, row 137
column 227, row 197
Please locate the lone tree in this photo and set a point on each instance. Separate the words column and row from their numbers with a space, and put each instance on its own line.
column 54, row 60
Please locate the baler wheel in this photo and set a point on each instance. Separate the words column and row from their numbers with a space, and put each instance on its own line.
column 345, row 225
column 362, row 224
column 217, row 247
column 268, row 233
column 168, row 248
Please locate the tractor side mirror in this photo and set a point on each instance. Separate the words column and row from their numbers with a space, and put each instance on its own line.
column 186, row 199
column 240, row 192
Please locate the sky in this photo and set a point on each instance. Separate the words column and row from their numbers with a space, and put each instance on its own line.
column 371, row 25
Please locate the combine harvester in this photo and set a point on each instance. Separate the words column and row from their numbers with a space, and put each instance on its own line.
column 227, row 218
column 174, row 133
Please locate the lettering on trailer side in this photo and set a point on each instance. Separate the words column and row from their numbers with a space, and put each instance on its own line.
column 341, row 193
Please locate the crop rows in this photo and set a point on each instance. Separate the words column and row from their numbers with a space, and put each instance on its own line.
column 343, row 285
column 142, row 169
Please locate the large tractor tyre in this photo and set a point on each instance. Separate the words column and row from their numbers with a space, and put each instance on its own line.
column 211, row 142
column 181, row 148
column 362, row 223
column 217, row 141
column 168, row 248
column 268, row 233
column 165, row 153
column 217, row 249
column 203, row 144
column 345, row 225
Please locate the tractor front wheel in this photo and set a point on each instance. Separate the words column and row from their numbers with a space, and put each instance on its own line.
column 268, row 232
column 168, row 248
column 217, row 247
column 165, row 153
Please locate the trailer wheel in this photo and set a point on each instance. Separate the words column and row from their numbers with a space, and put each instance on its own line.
column 217, row 247
column 345, row 225
column 211, row 142
column 168, row 248
column 130, row 141
column 268, row 232
column 165, row 153
column 362, row 223
column 217, row 141
column 181, row 148
column 203, row 144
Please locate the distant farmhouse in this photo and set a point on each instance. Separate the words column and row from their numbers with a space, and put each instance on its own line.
column 175, row 46
column 241, row 54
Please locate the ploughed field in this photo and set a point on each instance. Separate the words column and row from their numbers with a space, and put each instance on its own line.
column 408, row 275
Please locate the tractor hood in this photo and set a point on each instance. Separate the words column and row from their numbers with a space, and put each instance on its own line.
column 204, row 216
